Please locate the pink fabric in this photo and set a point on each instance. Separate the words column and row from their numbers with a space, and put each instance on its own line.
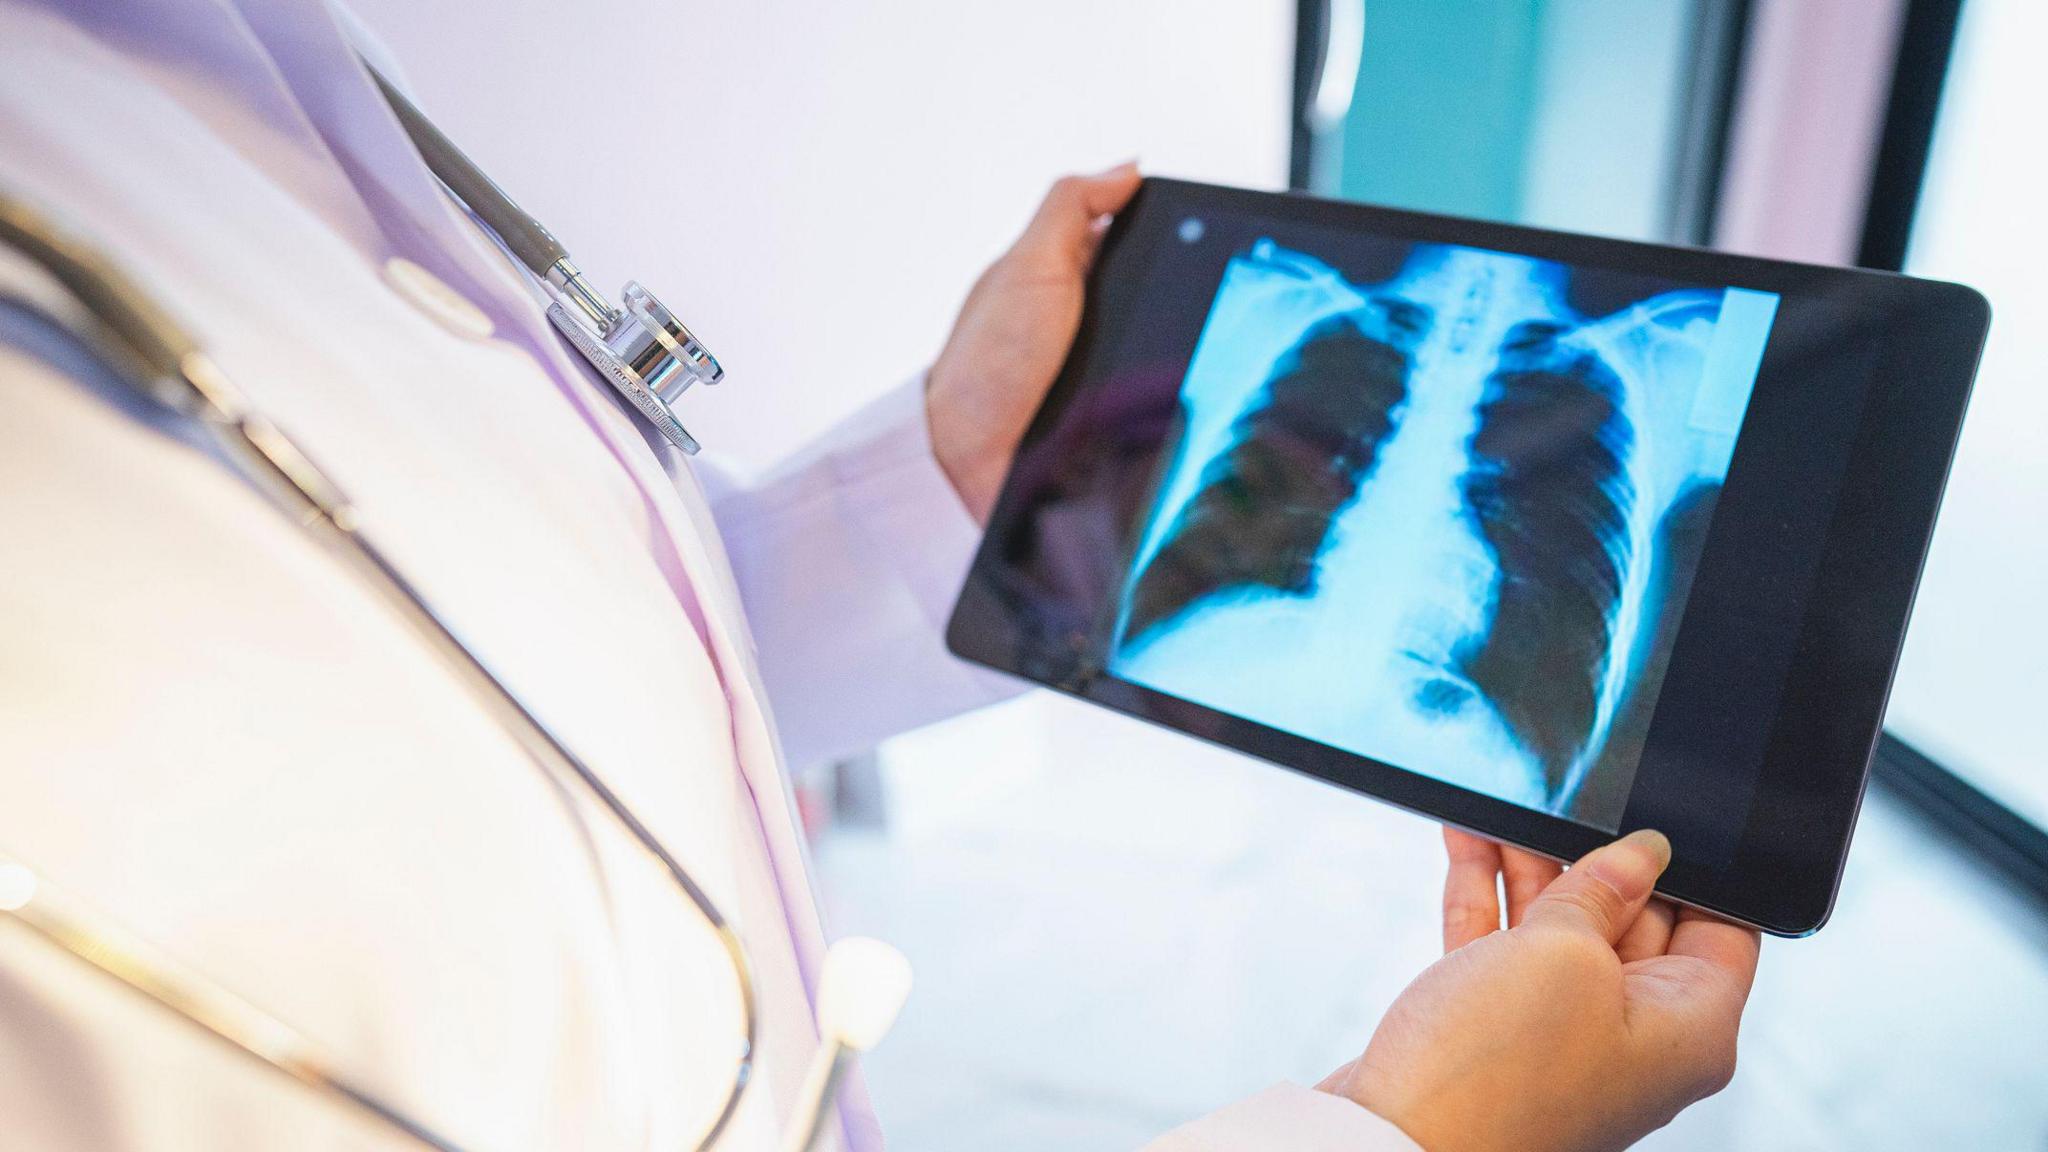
column 1815, row 82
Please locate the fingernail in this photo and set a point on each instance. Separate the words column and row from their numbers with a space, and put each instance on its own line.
column 1123, row 169
column 1652, row 841
column 1632, row 863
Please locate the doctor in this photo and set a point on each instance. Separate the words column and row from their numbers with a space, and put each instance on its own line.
column 217, row 739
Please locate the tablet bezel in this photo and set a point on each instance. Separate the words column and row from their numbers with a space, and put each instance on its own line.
column 1926, row 339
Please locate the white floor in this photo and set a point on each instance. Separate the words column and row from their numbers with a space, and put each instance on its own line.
column 1116, row 929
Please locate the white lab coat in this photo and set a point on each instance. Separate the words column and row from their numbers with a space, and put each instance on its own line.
column 210, row 733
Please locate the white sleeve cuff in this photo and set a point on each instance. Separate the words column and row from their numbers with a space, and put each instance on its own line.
column 849, row 556
column 891, row 482
column 1288, row 1118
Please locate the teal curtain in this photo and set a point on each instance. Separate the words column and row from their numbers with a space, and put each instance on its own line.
column 1562, row 113
column 1444, row 106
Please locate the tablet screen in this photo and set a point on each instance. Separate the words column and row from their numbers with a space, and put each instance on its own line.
column 1440, row 506
column 1547, row 536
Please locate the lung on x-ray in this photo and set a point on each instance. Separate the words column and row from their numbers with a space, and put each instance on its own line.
column 1447, row 521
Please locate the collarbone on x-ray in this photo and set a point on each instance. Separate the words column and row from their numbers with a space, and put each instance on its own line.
column 1444, row 520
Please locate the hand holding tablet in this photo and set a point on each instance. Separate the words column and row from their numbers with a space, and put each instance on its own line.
column 1545, row 536
column 1590, row 1023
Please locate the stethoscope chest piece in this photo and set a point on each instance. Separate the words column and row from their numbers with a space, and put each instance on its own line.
column 642, row 351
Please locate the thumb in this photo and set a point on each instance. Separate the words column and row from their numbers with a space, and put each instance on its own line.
column 1605, row 891
column 1064, row 228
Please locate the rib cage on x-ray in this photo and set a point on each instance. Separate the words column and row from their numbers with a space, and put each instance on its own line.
column 1551, row 494
column 1296, row 460
column 1545, row 523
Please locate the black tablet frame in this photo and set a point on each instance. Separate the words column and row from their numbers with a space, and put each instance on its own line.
column 1923, row 339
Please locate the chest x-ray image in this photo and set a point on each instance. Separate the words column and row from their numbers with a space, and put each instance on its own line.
column 1447, row 521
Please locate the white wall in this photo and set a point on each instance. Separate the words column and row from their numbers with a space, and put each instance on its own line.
column 1976, row 662
column 813, row 185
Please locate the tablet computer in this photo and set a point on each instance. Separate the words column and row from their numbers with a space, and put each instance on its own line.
column 1542, row 535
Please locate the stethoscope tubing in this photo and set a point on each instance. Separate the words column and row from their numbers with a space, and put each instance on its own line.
column 152, row 352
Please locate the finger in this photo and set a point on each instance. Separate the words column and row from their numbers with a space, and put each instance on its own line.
column 1729, row 948
column 1471, row 899
column 1605, row 891
column 1525, row 875
column 1064, row 228
column 1096, row 232
column 1650, row 935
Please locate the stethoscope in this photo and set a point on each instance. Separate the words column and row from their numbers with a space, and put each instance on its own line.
column 641, row 349
column 650, row 358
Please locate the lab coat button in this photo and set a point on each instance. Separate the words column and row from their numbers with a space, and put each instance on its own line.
column 431, row 295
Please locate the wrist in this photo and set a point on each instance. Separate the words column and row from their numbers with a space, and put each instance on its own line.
column 970, row 463
column 1359, row 1083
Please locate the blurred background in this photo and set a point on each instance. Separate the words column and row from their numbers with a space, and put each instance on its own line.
column 1116, row 929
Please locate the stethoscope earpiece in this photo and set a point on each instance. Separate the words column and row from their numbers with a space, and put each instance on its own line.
column 862, row 988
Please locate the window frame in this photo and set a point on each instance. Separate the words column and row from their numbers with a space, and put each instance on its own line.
column 1998, row 834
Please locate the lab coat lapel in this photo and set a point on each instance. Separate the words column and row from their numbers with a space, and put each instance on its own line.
column 753, row 727
column 319, row 68
column 206, row 59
